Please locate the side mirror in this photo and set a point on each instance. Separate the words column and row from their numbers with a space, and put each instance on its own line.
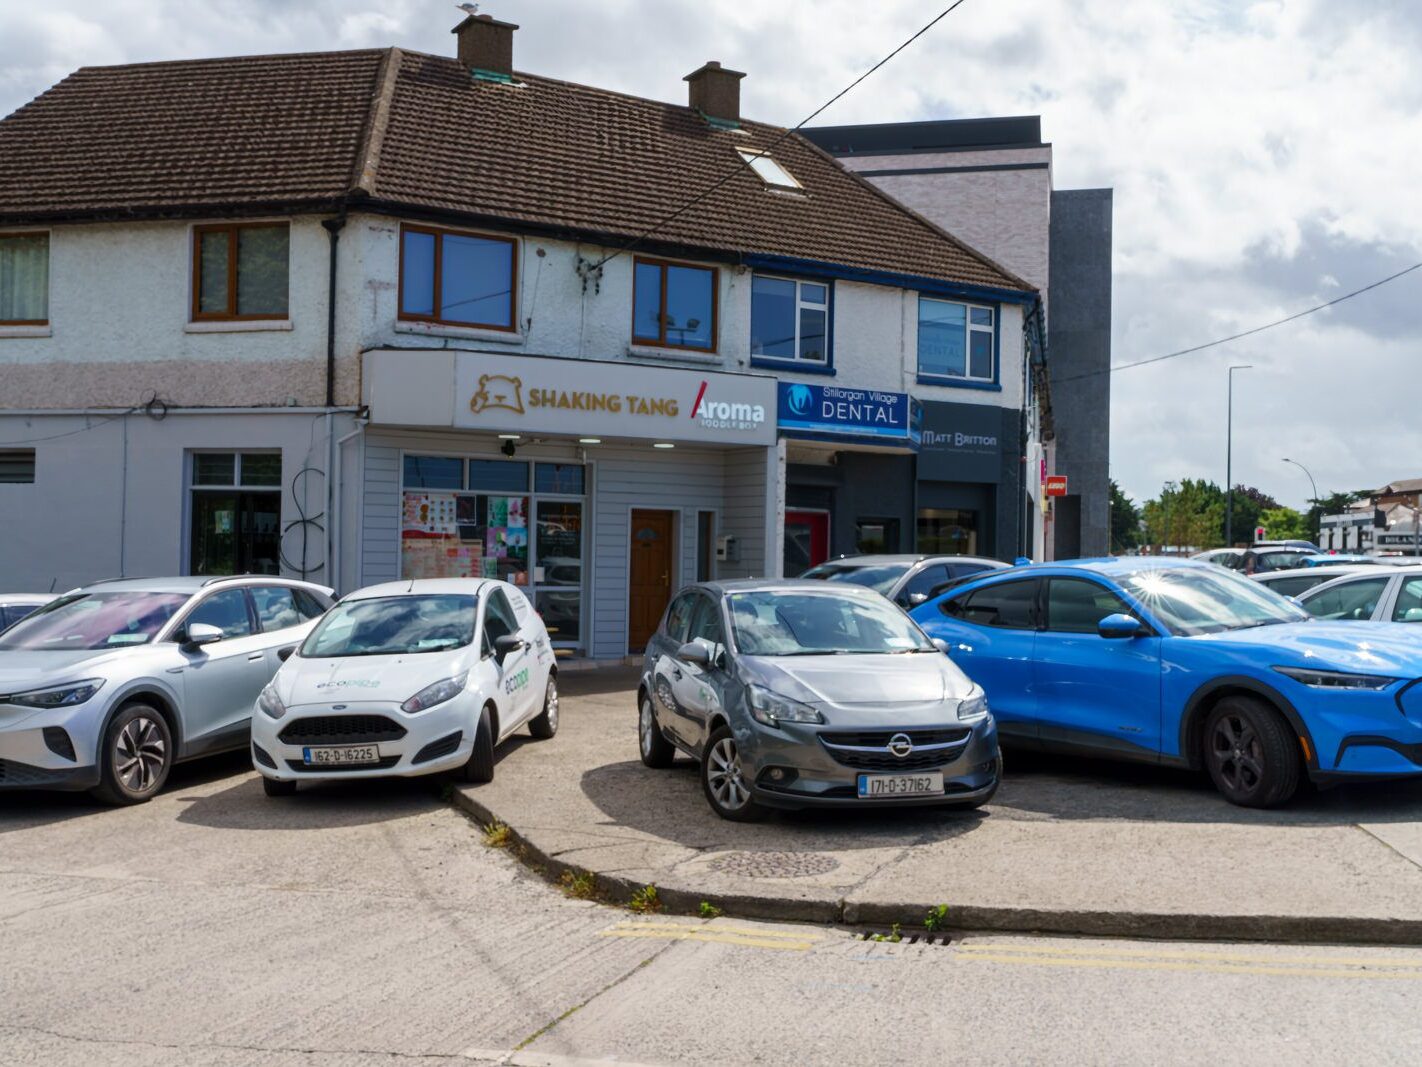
column 940, row 644
column 694, row 653
column 915, row 599
column 199, row 634
column 1119, row 625
column 284, row 654
column 506, row 644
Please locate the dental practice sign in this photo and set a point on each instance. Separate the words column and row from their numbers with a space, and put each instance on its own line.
column 841, row 414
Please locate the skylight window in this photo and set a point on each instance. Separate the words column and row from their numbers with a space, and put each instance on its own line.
column 771, row 172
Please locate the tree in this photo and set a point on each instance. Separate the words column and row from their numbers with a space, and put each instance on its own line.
column 1249, row 504
column 1190, row 515
column 1125, row 521
column 1284, row 524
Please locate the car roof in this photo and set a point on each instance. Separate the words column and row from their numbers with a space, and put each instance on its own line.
column 1111, row 566
column 883, row 559
column 424, row 587
column 1330, row 570
column 765, row 585
column 189, row 584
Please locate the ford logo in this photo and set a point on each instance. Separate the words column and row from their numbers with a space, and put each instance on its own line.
column 899, row 745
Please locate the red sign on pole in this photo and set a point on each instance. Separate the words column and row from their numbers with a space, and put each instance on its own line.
column 1056, row 485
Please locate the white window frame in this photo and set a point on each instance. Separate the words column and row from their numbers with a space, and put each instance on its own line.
column 777, row 169
column 34, row 327
column 800, row 303
column 968, row 330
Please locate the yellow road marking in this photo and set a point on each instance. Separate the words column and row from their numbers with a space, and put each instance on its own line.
column 1186, row 965
column 1201, row 957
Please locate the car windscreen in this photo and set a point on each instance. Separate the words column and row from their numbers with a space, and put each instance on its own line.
column 1207, row 600
column 91, row 621
column 777, row 623
column 392, row 626
column 877, row 576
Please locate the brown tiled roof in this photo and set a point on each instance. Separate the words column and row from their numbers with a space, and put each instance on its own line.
column 413, row 131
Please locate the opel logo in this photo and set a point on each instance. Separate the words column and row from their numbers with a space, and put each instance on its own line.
column 900, row 745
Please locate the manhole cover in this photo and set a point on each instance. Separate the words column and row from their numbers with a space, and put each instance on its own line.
column 774, row 864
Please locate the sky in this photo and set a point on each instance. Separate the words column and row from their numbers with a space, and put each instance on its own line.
column 1263, row 156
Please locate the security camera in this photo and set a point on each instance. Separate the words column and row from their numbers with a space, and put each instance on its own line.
column 509, row 448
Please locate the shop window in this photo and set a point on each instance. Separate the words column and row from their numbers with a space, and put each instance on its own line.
column 464, row 535
column 433, row 472
column 24, row 279
column 565, row 478
column 498, row 476
column 955, row 341
column 674, row 305
column 876, row 536
column 790, row 320
column 240, row 271
column 559, row 577
column 947, row 532
column 458, row 279
column 17, row 466
column 235, row 513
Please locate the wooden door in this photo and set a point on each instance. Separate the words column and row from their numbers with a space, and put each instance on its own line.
column 650, row 582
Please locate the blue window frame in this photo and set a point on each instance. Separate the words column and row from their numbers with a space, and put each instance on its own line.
column 433, row 472
column 458, row 279
column 498, row 475
column 957, row 343
column 674, row 305
column 558, row 478
column 790, row 322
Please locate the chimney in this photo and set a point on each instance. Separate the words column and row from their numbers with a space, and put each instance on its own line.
column 716, row 92
column 486, row 47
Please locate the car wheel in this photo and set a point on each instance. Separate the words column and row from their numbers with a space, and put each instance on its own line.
column 721, row 779
column 480, row 767
column 1250, row 753
column 546, row 724
column 272, row 787
column 657, row 751
column 136, row 756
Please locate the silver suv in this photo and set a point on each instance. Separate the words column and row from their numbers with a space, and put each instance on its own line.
column 107, row 686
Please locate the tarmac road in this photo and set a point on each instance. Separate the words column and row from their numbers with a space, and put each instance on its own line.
column 355, row 925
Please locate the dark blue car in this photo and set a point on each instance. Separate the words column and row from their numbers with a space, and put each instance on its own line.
column 1177, row 662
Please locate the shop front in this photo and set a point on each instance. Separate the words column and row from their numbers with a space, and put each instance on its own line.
column 969, row 481
column 597, row 487
column 849, row 474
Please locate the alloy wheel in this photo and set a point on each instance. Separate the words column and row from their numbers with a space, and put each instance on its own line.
column 550, row 704
column 723, row 775
column 140, row 754
column 645, row 726
column 1238, row 753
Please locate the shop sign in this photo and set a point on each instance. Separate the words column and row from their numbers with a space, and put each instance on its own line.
column 849, row 414
column 962, row 442
column 570, row 397
column 1056, row 485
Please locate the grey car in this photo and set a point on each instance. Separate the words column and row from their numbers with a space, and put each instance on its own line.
column 907, row 580
column 107, row 686
column 1376, row 594
column 796, row 693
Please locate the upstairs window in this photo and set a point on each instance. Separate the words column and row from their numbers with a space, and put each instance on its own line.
column 771, row 172
column 17, row 466
column 241, row 271
column 790, row 320
column 955, row 341
column 457, row 279
column 24, row 279
column 674, row 305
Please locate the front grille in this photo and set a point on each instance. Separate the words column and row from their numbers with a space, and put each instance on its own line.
column 262, row 756
column 869, row 751
column 22, row 774
column 58, row 742
column 435, row 749
column 385, row 763
column 341, row 730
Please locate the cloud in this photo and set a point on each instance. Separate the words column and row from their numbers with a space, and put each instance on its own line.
column 1263, row 154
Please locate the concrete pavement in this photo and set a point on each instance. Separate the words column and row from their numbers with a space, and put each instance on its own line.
column 1067, row 847
column 370, row 925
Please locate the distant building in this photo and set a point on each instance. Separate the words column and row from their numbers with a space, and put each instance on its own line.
column 989, row 181
column 1385, row 523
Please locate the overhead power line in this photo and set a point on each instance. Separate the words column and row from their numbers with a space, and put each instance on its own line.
column 1245, row 333
column 746, row 163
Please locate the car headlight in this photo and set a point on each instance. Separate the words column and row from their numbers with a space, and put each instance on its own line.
column 772, row 709
column 1317, row 679
column 973, row 708
column 56, row 696
column 438, row 693
column 270, row 703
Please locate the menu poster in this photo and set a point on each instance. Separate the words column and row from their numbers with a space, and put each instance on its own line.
column 429, row 513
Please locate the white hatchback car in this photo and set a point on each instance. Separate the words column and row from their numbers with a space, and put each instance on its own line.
column 404, row 679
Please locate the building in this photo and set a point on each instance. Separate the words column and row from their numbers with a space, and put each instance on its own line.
column 1385, row 522
column 438, row 317
column 989, row 181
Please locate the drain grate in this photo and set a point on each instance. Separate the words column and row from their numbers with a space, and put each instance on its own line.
column 774, row 864
column 885, row 936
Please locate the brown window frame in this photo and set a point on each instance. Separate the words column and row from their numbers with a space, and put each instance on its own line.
column 231, row 315
column 31, row 322
column 439, row 233
column 663, row 264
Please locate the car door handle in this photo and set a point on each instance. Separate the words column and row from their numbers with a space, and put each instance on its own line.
column 254, row 656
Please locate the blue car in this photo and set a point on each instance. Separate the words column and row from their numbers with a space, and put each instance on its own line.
column 1188, row 664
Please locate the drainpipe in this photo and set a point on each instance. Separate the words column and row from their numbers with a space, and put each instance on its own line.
column 333, row 519
column 333, row 228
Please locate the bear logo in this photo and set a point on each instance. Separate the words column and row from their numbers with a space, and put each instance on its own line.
column 498, row 391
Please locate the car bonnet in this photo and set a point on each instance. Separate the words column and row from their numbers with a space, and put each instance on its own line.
column 347, row 679
column 855, row 682
column 1392, row 648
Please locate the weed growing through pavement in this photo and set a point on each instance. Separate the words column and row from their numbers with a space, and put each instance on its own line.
column 937, row 918
column 894, row 936
column 645, row 900
column 497, row 835
column 579, row 886
column 709, row 910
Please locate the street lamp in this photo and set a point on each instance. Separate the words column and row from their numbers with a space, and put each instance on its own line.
column 1311, row 482
column 1229, row 456
column 1165, row 496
